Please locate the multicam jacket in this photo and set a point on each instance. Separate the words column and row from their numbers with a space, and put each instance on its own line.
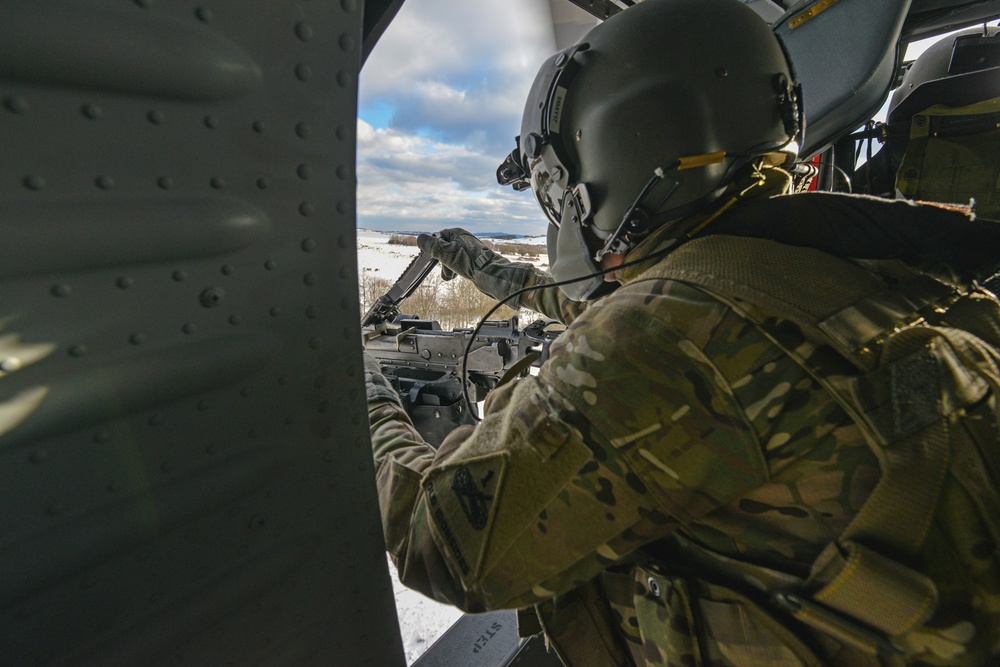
column 667, row 442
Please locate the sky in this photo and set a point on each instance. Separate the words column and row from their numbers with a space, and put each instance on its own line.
column 440, row 102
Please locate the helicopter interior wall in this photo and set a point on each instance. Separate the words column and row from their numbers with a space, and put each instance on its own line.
column 183, row 434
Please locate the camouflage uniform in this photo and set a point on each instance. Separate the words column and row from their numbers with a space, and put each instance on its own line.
column 664, row 420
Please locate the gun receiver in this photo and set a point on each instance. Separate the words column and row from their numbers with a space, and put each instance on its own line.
column 424, row 363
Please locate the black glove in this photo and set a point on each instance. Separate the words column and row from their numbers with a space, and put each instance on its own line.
column 462, row 253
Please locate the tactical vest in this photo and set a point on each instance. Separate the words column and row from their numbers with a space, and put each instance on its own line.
column 924, row 396
column 953, row 155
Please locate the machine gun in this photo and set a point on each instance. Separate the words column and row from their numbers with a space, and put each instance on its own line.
column 435, row 370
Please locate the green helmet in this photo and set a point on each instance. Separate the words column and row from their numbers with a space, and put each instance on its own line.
column 646, row 121
column 956, row 71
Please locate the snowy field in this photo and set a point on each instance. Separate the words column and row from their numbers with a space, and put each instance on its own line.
column 421, row 620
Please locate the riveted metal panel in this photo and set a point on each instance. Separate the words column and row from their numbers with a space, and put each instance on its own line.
column 184, row 454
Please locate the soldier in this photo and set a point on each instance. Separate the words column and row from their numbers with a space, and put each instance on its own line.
column 773, row 443
column 943, row 141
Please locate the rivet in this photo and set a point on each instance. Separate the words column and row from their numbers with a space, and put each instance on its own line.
column 325, row 432
column 78, row 350
column 920, row 121
column 654, row 587
column 306, row 209
column 33, row 182
column 262, row 183
column 246, row 392
column 347, row 304
column 343, row 207
column 344, row 78
column 721, row 72
column 15, row 104
column 270, row 264
column 304, row 171
column 303, row 72
column 143, row 3
column 351, row 371
column 204, row 14
column 342, row 242
column 315, row 342
column 38, row 456
column 212, row 297
column 911, row 174
column 211, row 122
column 10, row 364
column 283, row 380
column 227, row 269
column 319, row 382
column 312, row 312
column 346, row 333
column 125, row 282
column 342, row 133
column 235, row 319
column 343, row 172
column 104, row 182
column 303, row 31
column 579, row 135
column 347, row 43
column 137, row 338
column 179, row 276
column 308, row 245
column 302, row 130
column 275, row 311
column 258, row 126
column 155, row 420
column 189, row 327
column 349, row 5
column 100, row 437
column 91, row 111
column 165, row 182
column 202, row 406
column 309, row 279
column 61, row 290
column 155, row 117
column 217, row 183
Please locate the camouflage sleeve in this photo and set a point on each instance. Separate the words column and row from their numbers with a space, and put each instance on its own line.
column 551, row 302
column 626, row 433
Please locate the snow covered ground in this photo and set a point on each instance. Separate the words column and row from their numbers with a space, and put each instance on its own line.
column 421, row 620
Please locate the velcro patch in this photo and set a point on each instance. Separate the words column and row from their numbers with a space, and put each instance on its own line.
column 462, row 498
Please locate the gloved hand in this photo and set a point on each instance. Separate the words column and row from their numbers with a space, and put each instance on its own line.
column 462, row 253
column 377, row 387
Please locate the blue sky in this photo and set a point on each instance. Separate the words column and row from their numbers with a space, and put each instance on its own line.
column 440, row 101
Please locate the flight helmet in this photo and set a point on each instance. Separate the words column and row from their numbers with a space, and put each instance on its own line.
column 647, row 120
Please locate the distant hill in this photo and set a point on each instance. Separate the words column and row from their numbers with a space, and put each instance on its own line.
column 483, row 235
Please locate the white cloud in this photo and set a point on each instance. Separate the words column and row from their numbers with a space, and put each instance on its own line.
column 407, row 182
column 455, row 75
